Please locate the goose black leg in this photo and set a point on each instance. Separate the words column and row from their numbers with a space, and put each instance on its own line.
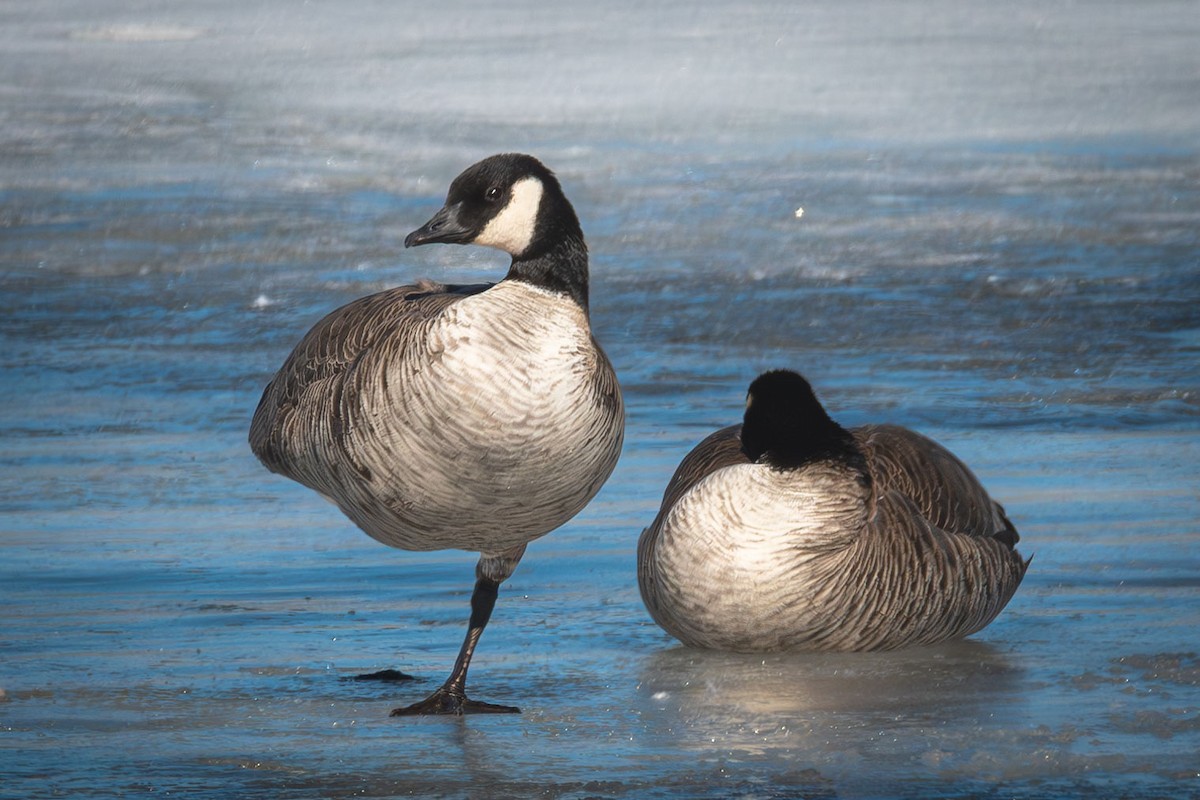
column 452, row 698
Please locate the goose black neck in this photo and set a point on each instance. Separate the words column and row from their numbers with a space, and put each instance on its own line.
column 560, row 267
column 794, row 451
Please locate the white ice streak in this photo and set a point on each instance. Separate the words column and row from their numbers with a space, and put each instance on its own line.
column 139, row 32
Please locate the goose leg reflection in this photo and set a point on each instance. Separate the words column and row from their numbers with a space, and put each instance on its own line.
column 452, row 698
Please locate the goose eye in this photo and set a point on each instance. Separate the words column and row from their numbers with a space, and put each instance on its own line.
column 492, row 194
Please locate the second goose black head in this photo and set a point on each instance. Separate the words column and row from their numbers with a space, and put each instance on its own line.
column 786, row 426
column 514, row 203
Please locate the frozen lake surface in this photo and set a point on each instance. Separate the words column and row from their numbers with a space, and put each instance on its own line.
column 998, row 246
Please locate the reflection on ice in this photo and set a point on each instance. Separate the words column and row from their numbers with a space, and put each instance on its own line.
column 899, row 713
column 962, row 712
column 949, row 678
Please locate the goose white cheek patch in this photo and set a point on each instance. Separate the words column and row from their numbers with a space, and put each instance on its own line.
column 512, row 229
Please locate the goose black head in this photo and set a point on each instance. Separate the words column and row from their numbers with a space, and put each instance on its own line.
column 511, row 202
column 785, row 424
column 514, row 203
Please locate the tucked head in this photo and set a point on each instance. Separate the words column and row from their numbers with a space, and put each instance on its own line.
column 785, row 422
column 510, row 201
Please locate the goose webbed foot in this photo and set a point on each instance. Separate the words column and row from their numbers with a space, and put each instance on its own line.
column 451, row 701
column 452, row 698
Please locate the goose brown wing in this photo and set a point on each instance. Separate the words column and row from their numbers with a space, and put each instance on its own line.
column 926, row 584
column 941, row 487
column 300, row 407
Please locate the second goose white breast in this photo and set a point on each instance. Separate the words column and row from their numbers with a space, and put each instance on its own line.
column 743, row 544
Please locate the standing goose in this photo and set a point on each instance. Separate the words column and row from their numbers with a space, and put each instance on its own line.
column 469, row 417
column 790, row 532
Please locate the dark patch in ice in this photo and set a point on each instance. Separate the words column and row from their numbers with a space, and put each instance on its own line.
column 1160, row 724
column 384, row 675
column 1180, row 668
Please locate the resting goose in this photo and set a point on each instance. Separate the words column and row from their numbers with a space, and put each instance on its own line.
column 469, row 417
column 790, row 532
